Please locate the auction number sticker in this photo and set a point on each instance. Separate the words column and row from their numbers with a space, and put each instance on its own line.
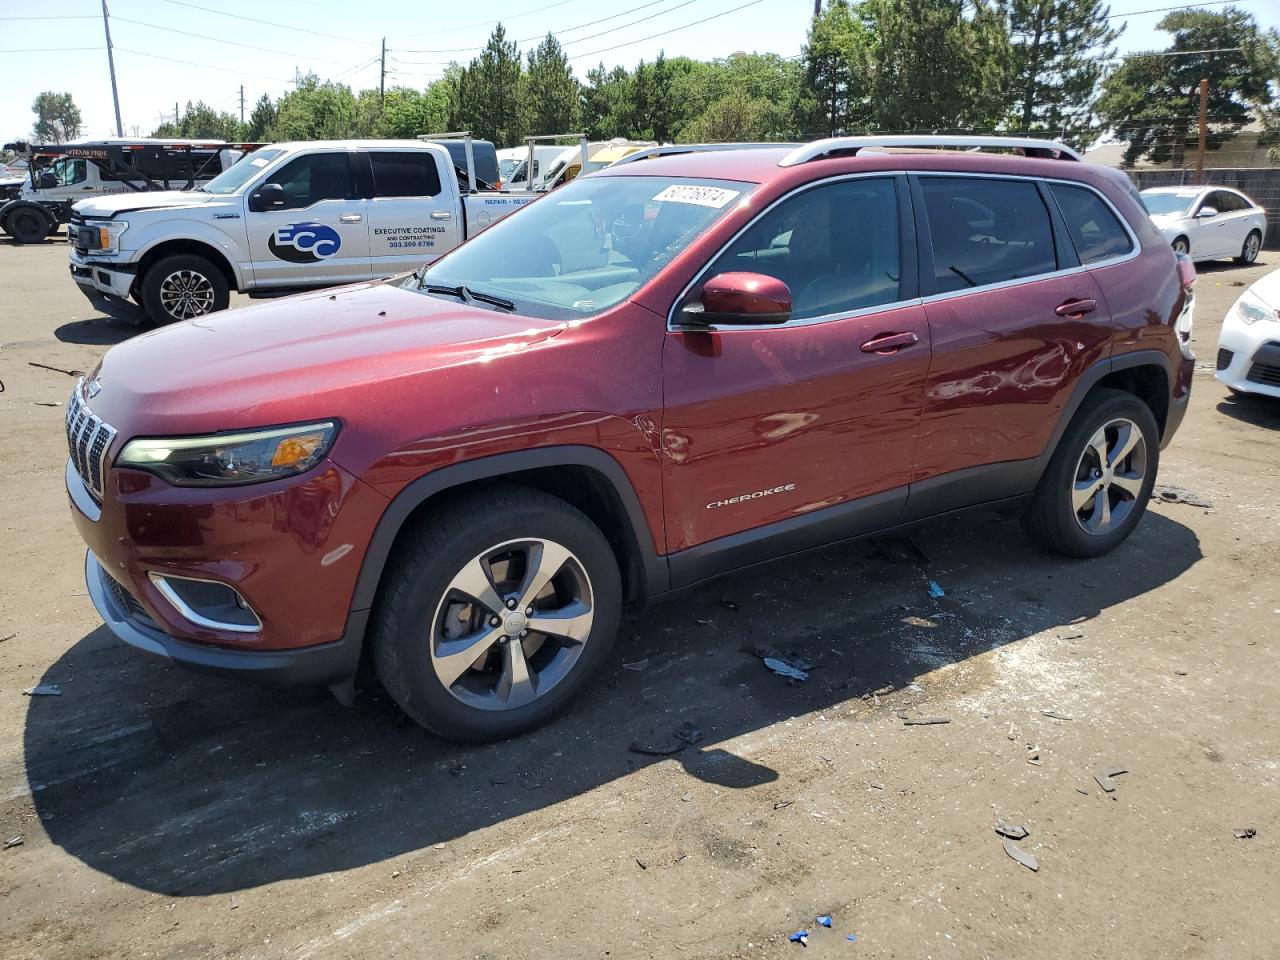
column 701, row 196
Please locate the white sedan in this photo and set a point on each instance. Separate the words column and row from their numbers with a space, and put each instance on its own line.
column 1208, row 222
column 1249, row 345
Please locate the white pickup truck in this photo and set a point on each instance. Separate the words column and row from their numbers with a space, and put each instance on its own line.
column 289, row 216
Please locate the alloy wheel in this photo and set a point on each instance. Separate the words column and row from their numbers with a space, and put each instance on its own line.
column 185, row 294
column 1109, row 476
column 1181, row 246
column 1252, row 244
column 512, row 624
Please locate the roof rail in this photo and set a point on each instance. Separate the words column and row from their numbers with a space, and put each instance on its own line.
column 1045, row 149
column 673, row 149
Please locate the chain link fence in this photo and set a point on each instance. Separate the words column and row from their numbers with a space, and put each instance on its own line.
column 1262, row 184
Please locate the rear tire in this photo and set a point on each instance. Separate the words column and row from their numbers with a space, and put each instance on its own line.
column 1182, row 245
column 29, row 225
column 1082, row 506
column 1252, row 244
column 182, row 287
column 454, row 642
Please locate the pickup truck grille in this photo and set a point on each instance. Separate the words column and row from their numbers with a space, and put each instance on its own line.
column 88, row 439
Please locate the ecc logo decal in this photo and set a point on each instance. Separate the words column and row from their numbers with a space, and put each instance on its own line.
column 306, row 242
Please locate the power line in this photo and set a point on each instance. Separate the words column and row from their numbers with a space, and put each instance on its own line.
column 485, row 23
column 51, row 49
column 654, row 36
column 192, row 63
column 270, row 23
column 89, row 16
column 556, row 33
column 234, row 43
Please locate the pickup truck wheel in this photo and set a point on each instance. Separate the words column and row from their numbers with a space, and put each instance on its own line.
column 182, row 287
column 29, row 225
column 496, row 613
column 1098, row 482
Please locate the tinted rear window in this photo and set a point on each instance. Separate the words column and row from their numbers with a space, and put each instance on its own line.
column 986, row 231
column 405, row 174
column 1094, row 229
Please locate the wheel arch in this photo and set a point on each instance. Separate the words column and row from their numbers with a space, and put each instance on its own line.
column 590, row 479
column 168, row 248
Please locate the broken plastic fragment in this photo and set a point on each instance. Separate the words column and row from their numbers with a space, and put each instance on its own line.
column 1104, row 774
column 14, row 841
column 44, row 690
column 1245, row 833
column 852, row 938
column 824, row 920
column 784, row 669
column 801, row 937
column 924, row 721
column 935, row 590
column 1014, row 831
column 1024, row 858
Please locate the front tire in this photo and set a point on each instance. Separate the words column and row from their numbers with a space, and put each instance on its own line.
column 1252, row 245
column 1098, row 482
column 183, row 287
column 1182, row 245
column 497, row 613
column 29, row 225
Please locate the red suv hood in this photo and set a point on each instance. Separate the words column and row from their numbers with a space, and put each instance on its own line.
column 296, row 359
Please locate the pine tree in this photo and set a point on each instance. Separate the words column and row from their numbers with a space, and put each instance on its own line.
column 262, row 121
column 552, row 96
column 489, row 93
column 1060, row 48
column 833, row 101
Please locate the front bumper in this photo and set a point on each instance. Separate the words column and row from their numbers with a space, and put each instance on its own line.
column 325, row 663
column 1248, row 358
column 106, row 285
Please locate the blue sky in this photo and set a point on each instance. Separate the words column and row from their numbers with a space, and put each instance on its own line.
column 335, row 38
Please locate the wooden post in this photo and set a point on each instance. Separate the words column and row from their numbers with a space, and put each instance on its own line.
column 1204, row 129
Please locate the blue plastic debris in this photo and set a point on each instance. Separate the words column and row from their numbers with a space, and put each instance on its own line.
column 935, row 590
column 852, row 938
column 801, row 937
column 825, row 920
column 784, row 669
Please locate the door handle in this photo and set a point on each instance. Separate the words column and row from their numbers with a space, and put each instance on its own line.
column 1075, row 309
column 350, row 218
column 888, row 343
column 441, row 215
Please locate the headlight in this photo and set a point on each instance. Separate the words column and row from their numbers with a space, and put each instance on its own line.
column 109, row 235
column 229, row 459
column 1251, row 308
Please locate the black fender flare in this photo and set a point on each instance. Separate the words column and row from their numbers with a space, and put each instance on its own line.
column 654, row 567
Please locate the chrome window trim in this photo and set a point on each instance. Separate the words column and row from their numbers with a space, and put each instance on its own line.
column 673, row 326
column 1135, row 250
column 159, row 581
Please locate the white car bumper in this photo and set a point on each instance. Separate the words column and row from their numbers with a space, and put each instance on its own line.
column 1249, row 355
column 106, row 285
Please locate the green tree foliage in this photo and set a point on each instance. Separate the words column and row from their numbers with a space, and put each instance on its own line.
column 735, row 116
column 57, row 118
column 835, row 99
column 934, row 64
column 552, row 99
column 606, row 102
column 1153, row 101
column 409, row 113
column 316, row 111
column 262, row 121
column 198, row 121
column 489, row 92
column 1060, row 48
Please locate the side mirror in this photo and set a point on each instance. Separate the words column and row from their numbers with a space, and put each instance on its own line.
column 48, row 181
column 1206, row 212
column 741, row 298
column 269, row 196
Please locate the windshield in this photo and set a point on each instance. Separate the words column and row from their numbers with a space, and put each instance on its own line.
column 507, row 167
column 1161, row 204
column 240, row 172
column 588, row 245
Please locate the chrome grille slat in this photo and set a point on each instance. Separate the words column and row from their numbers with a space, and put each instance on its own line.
column 88, row 441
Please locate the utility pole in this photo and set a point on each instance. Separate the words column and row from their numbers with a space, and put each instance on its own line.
column 817, row 9
column 175, row 113
column 382, row 64
column 1204, row 129
column 111, row 65
column 242, row 104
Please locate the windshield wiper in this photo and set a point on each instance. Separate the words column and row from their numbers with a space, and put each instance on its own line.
column 466, row 295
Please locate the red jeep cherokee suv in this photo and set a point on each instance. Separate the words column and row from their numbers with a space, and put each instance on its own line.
column 668, row 370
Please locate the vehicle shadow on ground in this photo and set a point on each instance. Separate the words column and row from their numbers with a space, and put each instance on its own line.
column 184, row 784
column 57, row 239
column 1257, row 411
column 98, row 331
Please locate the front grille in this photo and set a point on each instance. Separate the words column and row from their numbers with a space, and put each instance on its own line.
column 1224, row 358
column 78, row 233
column 88, row 439
column 1265, row 373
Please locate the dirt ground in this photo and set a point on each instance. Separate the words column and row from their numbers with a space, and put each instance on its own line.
column 170, row 815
